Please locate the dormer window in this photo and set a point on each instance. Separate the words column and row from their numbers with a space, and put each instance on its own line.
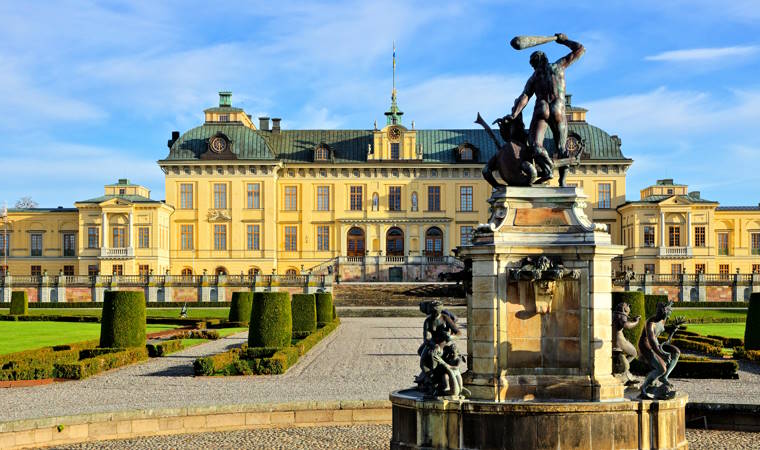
column 224, row 117
column 321, row 153
column 122, row 191
column 466, row 153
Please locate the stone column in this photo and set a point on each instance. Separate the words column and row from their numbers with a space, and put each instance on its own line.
column 701, row 288
column 684, row 289
column 221, row 288
column 98, row 289
column 205, row 289
column 662, row 229
column 6, row 289
column 151, row 289
column 104, row 232
column 44, row 288
column 755, row 282
column 688, row 229
column 131, row 239
column 60, row 289
column 736, row 289
column 648, row 280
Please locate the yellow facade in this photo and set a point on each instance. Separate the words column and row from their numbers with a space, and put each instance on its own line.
column 671, row 230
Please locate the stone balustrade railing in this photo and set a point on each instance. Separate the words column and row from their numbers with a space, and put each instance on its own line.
column 735, row 287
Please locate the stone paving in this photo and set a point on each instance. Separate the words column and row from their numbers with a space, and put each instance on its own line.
column 364, row 359
column 349, row 437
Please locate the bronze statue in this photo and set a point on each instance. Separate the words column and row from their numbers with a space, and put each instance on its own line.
column 523, row 160
column 662, row 358
column 439, row 357
column 623, row 351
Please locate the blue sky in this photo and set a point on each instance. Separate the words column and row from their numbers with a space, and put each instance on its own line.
column 90, row 91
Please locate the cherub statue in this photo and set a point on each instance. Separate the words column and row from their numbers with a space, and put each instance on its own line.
column 439, row 357
column 620, row 345
column 662, row 358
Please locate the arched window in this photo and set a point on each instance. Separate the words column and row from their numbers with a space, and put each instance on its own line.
column 414, row 201
column 394, row 242
column 220, row 271
column 291, row 272
column 465, row 154
column 434, row 242
column 187, row 272
column 253, row 271
column 321, row 153
column 355, row 242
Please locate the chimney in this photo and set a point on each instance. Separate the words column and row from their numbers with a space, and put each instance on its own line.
column 264, row 123
column 276, row 125
column 175, row 136
column 225, row 99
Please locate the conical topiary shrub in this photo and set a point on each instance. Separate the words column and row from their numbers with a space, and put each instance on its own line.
column 123, row 321
column 304, row 314
column 240, row 308
column 19, row 303
column 324, row 309
column 752, row 327
column 635, row 300
column 271, row 323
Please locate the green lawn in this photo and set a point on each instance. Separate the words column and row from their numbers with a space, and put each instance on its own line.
column 19, row 336
column 194, row 313
column 729, row 330
column 694, row 313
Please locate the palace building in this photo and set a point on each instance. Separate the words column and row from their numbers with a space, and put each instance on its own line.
column 383, row 203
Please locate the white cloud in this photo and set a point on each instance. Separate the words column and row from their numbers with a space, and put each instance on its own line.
column 703, row 54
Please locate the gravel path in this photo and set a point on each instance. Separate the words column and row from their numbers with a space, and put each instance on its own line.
column 349, row 437
column 364, row 359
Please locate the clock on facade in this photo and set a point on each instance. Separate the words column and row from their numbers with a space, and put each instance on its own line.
column 574, row 146
column 394, row 132
column 218, row 144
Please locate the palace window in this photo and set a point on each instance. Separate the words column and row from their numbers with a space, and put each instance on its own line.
column 118, row 237
column 4, row 247
column 356, row 197
column 254, row 196
column 723, row 244
column 68, row 271
column 323, row 238
column 465, row 235
column 220, row 237
column 675, row 269
column 674, row 236
column 143, row 237
column 648, row 268
column 465, row 154
column 35, row 271
column 143, row 269
column 648, row 236
column 186, row 196
column 36, row 246
column 604, row 198
column 434, row 198
column 699, row 236
column 69, row 244
column 186, row 272
column 117, row 270
column 92, row 270
column 394, row 198
column 253, row 237
column 186, row 237
column 323, row 198
column 724, row 270
column 122, row 191
column 92, row 237
column 291, row 198
column 755, row 268
column 433, row 242
column 395, row 150
column 754, row 239
column 220, row 196
column 699, row 268
column 253, row 271
column 321, row 153
column 465, row 198
column 291, row 272
column 291, row 239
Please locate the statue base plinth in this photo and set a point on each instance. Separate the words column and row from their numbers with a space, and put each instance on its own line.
column 453, row 424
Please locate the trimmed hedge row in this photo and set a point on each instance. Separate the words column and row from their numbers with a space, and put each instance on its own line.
column 752, row 328
column 687, row 343
column 50, row 318
column 695, row 367
column 304, row 308
column 240, row 307
column 158, row 349
column 91, row 366
column 325, row 313
column 271, row 322
column 39, row 363
column 749, row 355
column 123, row 319
column 636, row 301
column 211, row 365
column 98, row 305
column 728, row 342
column 19, row 303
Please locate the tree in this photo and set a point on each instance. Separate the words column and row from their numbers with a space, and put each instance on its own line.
column 26, row 202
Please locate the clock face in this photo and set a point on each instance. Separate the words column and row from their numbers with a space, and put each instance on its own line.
column 218, row 144
column 573, row 145
column 394, row 133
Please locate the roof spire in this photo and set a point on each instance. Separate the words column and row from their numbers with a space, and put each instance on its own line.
column 393, row 115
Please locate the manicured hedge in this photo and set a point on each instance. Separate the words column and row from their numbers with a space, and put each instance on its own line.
column 91, row 366
column 749, row 355
column 304, row 314
column 324, row 308
column 162, row 348
column 271, row 323
column 240, row 307
column 19, row 303
column 35, row 364
column 687, row 344
column 721, row 305
column 728, row 342
column 695, row 367
column 50, row 318
column 211, row 365
column 635, row 300
column 650, row 304
column 752, row 328
column 123, row 319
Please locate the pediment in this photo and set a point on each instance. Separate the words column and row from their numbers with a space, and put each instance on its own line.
column 676, row 200
column 115, row 202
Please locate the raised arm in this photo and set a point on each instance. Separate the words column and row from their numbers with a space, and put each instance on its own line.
column 576, row 51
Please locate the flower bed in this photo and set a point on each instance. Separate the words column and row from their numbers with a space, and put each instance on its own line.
column 261, row 360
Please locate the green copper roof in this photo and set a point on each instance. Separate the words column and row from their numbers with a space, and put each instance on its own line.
column 130, row 198
column 352, row 145
column 246, row 143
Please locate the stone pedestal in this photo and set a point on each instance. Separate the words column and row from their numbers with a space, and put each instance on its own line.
column 539, row 341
